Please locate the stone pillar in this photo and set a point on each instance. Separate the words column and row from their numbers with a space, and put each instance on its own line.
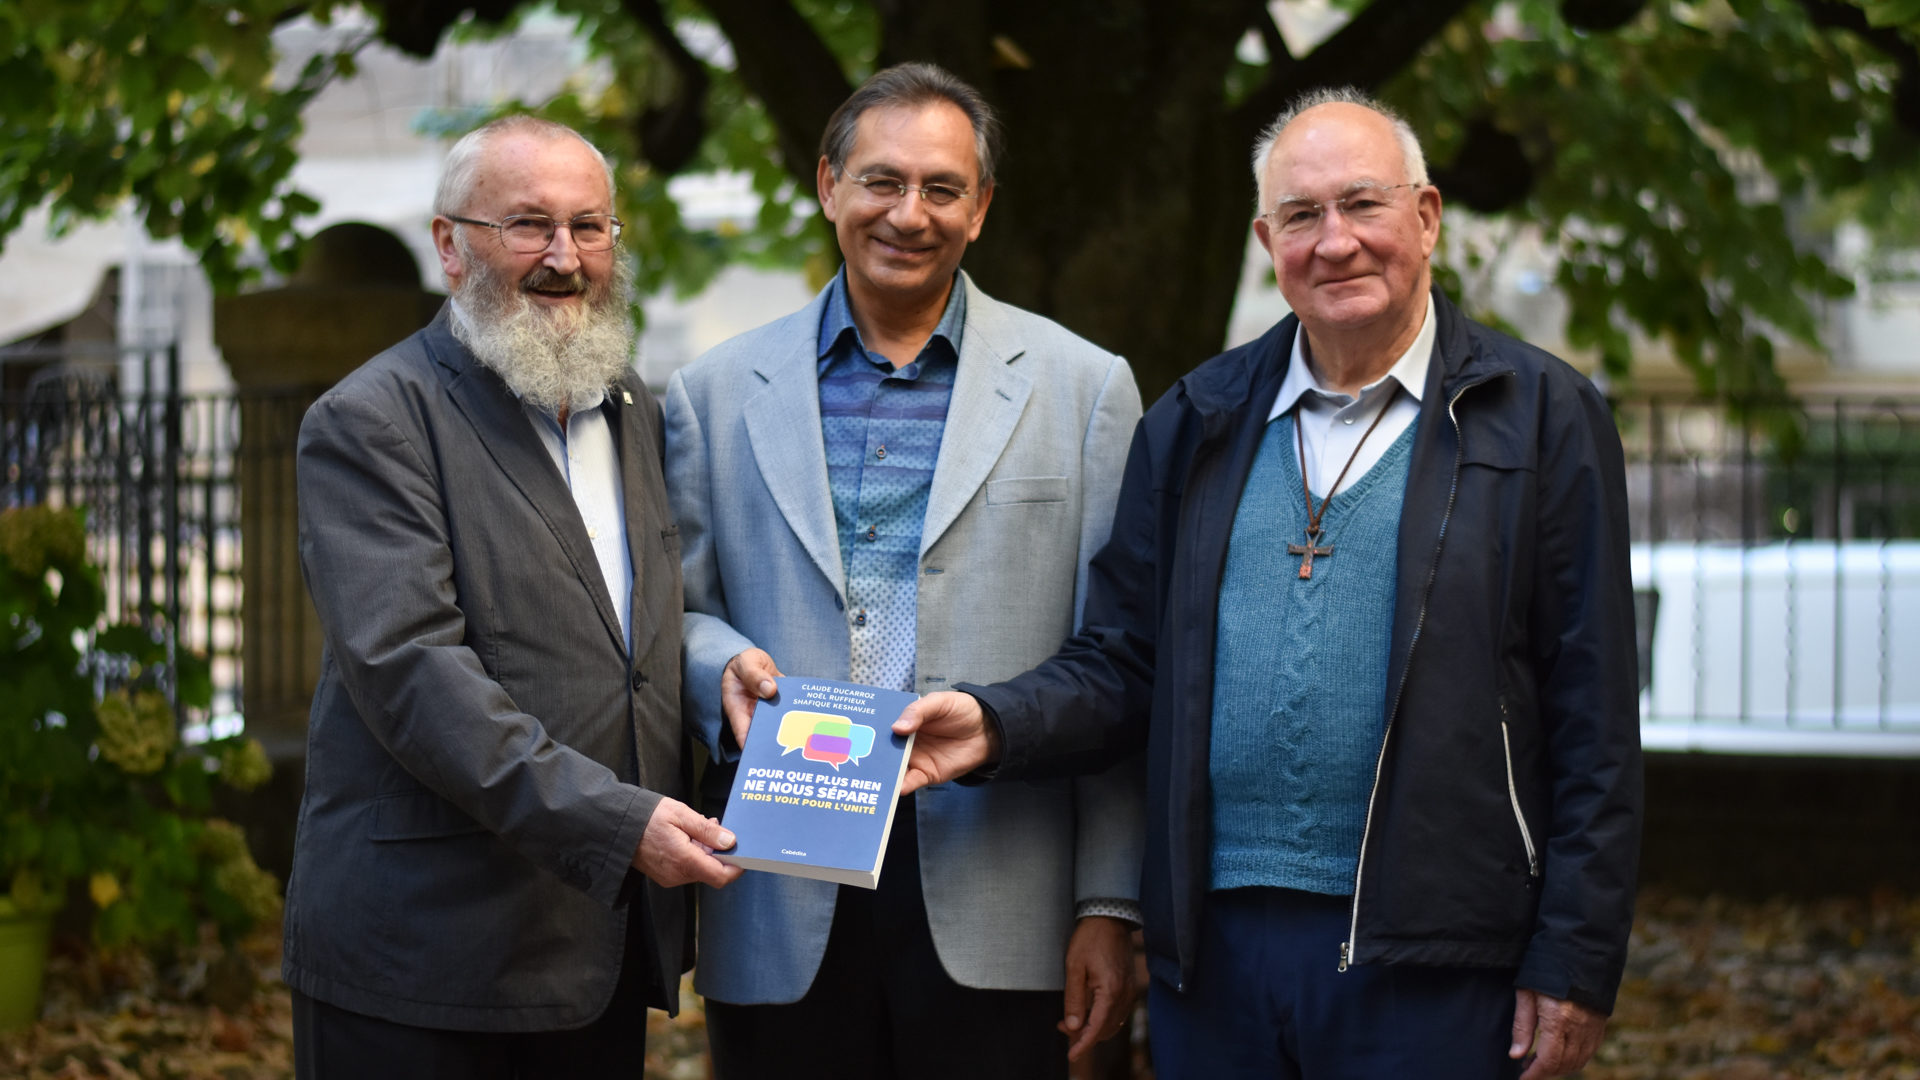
column 357, row 292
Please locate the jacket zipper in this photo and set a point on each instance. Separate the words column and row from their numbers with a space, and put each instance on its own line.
column 1513, row 796
column 1419, row 625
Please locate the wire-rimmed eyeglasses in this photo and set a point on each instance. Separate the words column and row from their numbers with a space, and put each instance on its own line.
column 889, row 190
column 529, row 233
column 1296, row 216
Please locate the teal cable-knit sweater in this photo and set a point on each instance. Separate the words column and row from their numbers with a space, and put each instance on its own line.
column 1300, row 672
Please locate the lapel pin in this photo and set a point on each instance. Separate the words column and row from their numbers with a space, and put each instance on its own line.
column 626, row 396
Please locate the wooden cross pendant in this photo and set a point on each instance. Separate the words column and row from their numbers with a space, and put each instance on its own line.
column 1309, row 550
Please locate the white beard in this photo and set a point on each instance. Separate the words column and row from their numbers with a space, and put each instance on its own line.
column 556, row 358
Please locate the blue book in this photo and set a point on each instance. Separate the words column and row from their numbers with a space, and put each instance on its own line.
column 815, row 792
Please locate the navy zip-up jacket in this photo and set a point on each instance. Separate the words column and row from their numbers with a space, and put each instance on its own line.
column 1503, row 829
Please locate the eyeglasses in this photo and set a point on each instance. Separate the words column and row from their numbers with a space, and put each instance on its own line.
column 1365, row 204
column 888, row 191
column 530, row 233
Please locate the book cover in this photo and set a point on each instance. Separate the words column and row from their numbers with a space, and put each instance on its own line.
column 815, row 792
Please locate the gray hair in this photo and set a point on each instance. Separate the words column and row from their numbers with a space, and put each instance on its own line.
column 1414, row 158
column 462, row 166
column 911, row 86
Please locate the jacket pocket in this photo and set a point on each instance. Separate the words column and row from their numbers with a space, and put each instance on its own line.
column 1513, row 797
column 1026, row 489
column 418, row 815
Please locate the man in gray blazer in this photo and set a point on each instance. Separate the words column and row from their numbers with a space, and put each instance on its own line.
column 901, row 484
column 492, row 845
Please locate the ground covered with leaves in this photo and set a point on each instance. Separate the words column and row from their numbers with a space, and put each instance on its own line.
column 1715, row 990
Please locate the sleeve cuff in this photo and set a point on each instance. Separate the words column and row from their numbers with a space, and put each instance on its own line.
column 991, row 770
column 1112, row 907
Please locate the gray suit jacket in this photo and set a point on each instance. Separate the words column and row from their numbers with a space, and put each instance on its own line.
column 483, row 753
column 1022, row 496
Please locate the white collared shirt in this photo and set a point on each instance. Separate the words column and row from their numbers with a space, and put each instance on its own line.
column 1332, row 424
column 590, row 464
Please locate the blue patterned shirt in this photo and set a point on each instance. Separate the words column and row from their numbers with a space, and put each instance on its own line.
column 882, row 428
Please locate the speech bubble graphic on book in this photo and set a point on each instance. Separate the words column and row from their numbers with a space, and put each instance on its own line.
column 824, row 737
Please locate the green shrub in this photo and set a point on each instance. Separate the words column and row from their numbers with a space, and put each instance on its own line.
column 96, row 789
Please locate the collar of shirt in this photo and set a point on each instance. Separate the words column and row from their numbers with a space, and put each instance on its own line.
column 836, row 323
column 1410, row 371
column 538, row 413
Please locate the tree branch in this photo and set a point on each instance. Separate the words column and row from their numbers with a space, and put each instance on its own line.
column 1280, row 59
column 782, row 60
column 670, row 132
column 415, row 26
column 1375, row 46
column 286, row 14
column 1833, row 15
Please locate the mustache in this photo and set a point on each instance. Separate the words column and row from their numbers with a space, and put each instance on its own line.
column 546, row 279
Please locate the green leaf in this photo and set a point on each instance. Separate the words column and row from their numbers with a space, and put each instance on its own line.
column 1892, row 12
column 136, row 643
column 193, row 679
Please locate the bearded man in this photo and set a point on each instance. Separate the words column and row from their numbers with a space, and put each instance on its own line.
column 489, row 878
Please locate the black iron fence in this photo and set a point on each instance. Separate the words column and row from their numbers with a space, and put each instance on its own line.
column 1827, row 468
column 159, row 476
column 1776, row 556
column 1777, row 564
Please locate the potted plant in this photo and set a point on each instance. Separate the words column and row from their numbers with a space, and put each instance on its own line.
column 101, row 805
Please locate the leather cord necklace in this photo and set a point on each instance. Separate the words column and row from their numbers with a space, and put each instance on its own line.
column 1313, row 547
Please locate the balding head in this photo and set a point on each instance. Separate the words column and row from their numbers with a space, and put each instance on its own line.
column 463, row 164
column 1413, row 158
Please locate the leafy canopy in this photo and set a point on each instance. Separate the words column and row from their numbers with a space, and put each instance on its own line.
column 172, row 103
column 1682, row 160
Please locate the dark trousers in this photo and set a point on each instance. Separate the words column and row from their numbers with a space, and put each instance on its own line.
column 883, row 1007
column 1269, row 1002
column 331, row 1043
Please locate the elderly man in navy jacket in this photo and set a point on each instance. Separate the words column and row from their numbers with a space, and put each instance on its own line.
column 1367, row 605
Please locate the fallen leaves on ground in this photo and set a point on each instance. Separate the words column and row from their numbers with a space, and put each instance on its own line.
column 1715, row 989
column 119, row 1017
column 1722, row 990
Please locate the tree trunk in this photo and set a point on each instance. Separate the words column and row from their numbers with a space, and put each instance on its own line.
column 1124, row 197
column 1125, row 191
